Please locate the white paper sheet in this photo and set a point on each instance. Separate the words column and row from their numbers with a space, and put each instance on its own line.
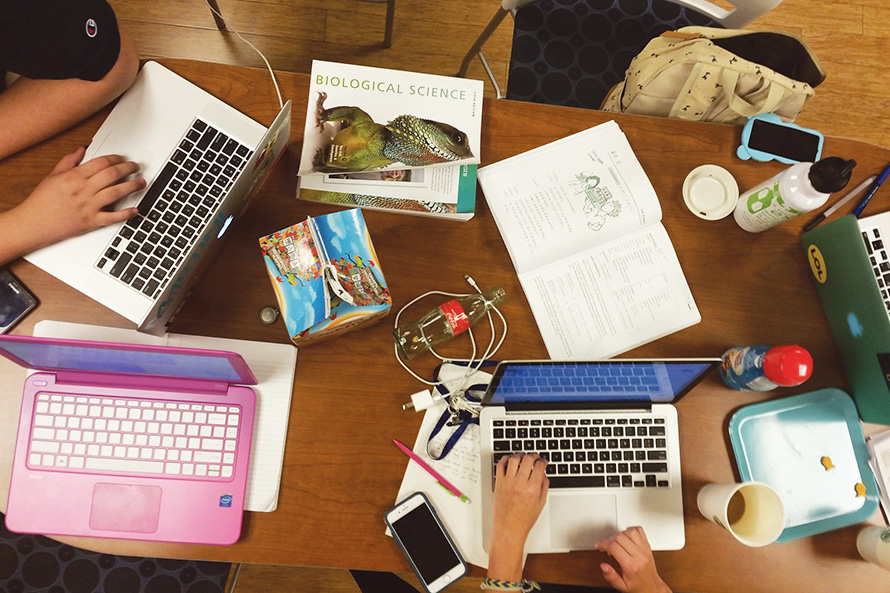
column 461, row 467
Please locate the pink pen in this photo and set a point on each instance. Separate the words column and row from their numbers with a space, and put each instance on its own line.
column 442, row 481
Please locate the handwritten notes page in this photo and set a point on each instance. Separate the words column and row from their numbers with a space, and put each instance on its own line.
column 581, row 222
column 272, row 364
column 461, row 467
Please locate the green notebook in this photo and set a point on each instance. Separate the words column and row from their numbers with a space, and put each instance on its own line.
column 841, row 265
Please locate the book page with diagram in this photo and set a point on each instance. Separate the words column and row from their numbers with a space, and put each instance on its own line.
column 581, row 222
column 568, row 195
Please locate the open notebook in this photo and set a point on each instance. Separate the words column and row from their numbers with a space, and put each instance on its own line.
column 274, row 366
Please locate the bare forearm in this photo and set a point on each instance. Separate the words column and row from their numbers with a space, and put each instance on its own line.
column 30, row 112
column 33, row 110
column 505, row 560
column 16, row 238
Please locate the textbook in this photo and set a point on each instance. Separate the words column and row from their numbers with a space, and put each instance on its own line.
column 582, row 224
column 444, row 192
column 360, row 118
column 326, row 276
column 391, row 140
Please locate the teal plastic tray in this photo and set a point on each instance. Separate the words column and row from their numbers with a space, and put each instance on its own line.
column 787, row 443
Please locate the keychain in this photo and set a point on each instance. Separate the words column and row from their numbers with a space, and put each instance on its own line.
column 463, row 407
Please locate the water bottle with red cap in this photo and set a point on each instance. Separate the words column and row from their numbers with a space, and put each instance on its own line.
column 761, row 368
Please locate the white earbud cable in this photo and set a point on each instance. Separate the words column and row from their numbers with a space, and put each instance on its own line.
column 473, row 364
column 232, row 29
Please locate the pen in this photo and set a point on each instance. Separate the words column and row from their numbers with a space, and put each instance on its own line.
column 871, row 191
column 837, row 205
column 442, row 481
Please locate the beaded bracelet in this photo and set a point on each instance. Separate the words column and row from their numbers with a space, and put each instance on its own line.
column 526, row 586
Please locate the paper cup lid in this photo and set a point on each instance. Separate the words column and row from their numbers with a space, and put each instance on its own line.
column 710, row 192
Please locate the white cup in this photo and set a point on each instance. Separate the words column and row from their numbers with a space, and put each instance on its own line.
column 873, row 544
column 751, row 511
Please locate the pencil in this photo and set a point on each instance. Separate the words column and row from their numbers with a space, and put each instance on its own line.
column 837, row 205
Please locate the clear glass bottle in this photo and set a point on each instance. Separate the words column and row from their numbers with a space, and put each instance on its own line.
column 445, row 322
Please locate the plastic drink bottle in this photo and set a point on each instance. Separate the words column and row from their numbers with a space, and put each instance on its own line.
column 798, row 189
column 445, row 322
column 761, row 368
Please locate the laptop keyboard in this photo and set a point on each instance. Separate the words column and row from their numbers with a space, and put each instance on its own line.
column 175, row 209
column 133, row 436
column 585, row 452
column 877, row 253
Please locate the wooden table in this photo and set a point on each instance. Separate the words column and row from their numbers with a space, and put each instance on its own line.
column 341, row 471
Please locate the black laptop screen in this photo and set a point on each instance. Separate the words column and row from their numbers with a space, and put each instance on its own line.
column 601, row 381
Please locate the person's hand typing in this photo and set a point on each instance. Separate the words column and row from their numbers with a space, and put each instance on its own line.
column 520, row 493
column 638, row 574
column 71, row 200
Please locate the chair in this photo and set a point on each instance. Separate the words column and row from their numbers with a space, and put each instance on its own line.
column 38, row 564
column 387, row 35
column 571, row 52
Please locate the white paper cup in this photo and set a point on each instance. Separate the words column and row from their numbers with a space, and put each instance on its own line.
column 710, row 192
column 751, row 511
column 873, row 544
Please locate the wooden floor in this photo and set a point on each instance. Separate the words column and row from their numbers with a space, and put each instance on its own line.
column 850, row 37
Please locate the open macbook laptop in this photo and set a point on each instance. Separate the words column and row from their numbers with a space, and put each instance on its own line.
column 203, row 161
column 609, row 433
column 130, row 441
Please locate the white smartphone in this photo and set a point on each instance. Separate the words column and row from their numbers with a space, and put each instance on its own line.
column 424, row 540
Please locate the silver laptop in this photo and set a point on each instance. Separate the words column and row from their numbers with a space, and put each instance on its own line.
column 203, row 160
column 609, row 433
column 876, row 238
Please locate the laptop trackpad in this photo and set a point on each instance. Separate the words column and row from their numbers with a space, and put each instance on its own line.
column 578, row 521
column 125, row 507
column 118, row 143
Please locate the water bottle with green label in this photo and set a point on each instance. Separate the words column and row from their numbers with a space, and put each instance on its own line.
column 798, row 189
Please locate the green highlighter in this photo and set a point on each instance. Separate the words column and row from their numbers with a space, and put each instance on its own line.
column 840, row 258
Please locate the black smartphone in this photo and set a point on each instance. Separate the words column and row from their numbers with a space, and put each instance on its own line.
column 766, row 137
column 424, row 540
column 792, row 143
column 15, row 300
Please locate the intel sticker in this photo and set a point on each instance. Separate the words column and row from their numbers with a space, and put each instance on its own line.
column 225, row 500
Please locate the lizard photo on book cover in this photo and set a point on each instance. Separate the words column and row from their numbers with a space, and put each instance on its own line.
column 361, row 119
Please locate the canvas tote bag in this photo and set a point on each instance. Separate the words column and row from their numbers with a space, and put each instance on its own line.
column 718, row 75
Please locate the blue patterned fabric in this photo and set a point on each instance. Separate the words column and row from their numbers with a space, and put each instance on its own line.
column 571, row 52
column 37, row 564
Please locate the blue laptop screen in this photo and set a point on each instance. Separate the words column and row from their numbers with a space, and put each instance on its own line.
column 601, row 381
column 104, row 359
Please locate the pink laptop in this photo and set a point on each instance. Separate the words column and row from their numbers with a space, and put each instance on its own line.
column 130, row 442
